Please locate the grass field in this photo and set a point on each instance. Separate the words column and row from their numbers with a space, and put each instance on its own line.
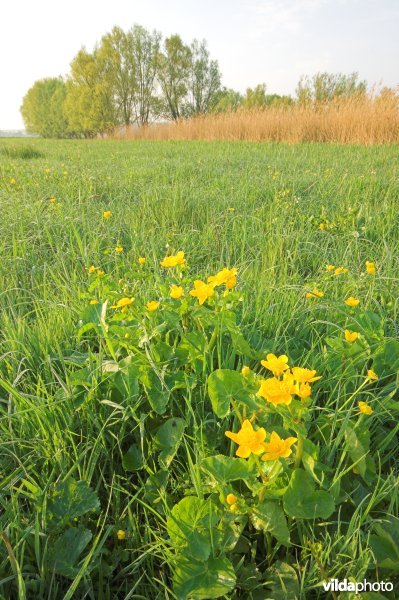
column 110, row 417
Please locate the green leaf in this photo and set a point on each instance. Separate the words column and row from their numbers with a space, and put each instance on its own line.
column 157, row 394
column 203, row 580
column 226, row 468
column 223, row 386
column 168, row 437
column 190, row 525
column 301, row 501
column 269, row 517
column 70, row 499
column 358, row 445
column 65, row 552
column 386, row 360
column 385, row 544
column 285, row 584
column 133, row 459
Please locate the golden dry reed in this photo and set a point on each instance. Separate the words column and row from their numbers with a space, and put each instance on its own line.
column 360, row 120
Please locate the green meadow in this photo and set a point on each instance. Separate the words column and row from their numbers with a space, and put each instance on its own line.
column 117, row 478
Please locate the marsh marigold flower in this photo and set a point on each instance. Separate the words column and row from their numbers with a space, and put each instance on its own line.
column 322, row 226
column 315, row 294
column 304, row 391
column 120, row 534
column 277, row 447
column 119, row 249
column 174, row 260
column 249, row 441
column 94, row 301
column 92, row 269
column 372, row 375
column 153, row 305
column 176, row 292
column 330, row 267
column 225, row 276
column 123, row 302
column 100, row 272
column 202, row 291
column 340, row 271
column 276, row 391
column 351, row 301
column 364, row 408
column 231, row 499
column 141, row 260
column 304, row 375
column 107, row 214
column 245, row 371
column 277, row 365
column 351, row 336
column 370, row 267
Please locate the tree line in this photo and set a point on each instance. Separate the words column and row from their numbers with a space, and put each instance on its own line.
column 134, row 77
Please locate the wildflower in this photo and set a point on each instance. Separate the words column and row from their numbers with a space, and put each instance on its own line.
column 304, row 375
column 231, row 209
column 315, row 294
column 278, row 447
column 245, row 371
column 92, row 269
column 107, row 214
column 123, row 303
column 153, row 305
column 225, row 276
column 351, row 301
column 202, row 291
column 119, row 249
column 141, row 260
column 176, row 292
column 94, row 301
column 351, row 336
column 233, row 508
column 100, row 273
column 304, row 391
column 370, row 267
column 231, row 499
column 364, row 408
column 52, row 200
column 120, row 534
column 372, row 375
column 12, row 181
column 322, row 226
column 330, row 267
column 276, row 391
column 340, row 270
column 249, row 441
column 277, row 365
column 174, row 261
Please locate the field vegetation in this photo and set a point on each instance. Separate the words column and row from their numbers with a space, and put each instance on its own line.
column 199, row 365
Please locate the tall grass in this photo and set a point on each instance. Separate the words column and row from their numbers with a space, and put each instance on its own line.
column 359, row 120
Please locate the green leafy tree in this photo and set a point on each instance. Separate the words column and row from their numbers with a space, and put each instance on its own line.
column 173, row 76
column 145, row 51
column 43, row 108
column 204, row 81
column 255, row 97
column 228, row 100
column 325, row 87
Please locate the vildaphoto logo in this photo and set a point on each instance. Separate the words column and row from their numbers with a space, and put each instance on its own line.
column 334, row 585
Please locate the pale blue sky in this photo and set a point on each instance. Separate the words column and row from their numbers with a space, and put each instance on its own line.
column 271, row 41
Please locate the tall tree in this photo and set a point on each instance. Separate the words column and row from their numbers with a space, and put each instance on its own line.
column 324, row 87
column 173, row 76
column 42, row 108
column 204, row 81
column 145, row 52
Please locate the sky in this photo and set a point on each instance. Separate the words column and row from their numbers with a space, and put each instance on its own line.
column 255, row 41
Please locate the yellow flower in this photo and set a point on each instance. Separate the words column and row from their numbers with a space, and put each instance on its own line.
column 372, row 375
column 322, row 226
column 52, row 200
column 340, row 271
column 370, row 267
column 351, row 301
column 275, row 391
column 304, row 375
column 351, row 336
column 12, row 181
column 176, row 292
column 141, row 260
column 234, row 508
column 248, row 440
column 365, row 408
column 202, row 291
column 107, row 214
column 277, row 365
column 330, row 267
column 315, row 294
column 92, row 269
column 231, row 499
column 225, row 276
column 121, row 535
column 245, row 371
column 123, row 302
column 100, row 273
column 304, row 391
column 277, row 447
column 119, row 249
column 174, row 261
column 153, row 305
column 231, row 209
column 93, row 301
